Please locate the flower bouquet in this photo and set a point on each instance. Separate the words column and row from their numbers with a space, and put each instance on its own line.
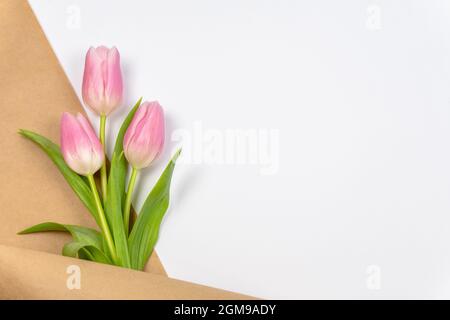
column 82, row 154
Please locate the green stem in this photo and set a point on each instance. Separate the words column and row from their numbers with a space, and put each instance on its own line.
column 103, row 174
column 126, row 211
column 102, row 219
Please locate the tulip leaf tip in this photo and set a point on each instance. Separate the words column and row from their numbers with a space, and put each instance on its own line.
column 24, row 231
column 176, row 155
column 24, row 132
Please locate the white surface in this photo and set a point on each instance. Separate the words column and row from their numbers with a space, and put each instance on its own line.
column 359, row 94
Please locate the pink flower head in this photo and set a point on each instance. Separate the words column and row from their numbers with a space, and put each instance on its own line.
column 80, row 146
column 102, row 81
column 144, row 139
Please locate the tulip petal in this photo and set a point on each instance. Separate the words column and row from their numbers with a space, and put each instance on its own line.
column 102, row 88
column 80, row 147
column 113, row 78
column 144, row 139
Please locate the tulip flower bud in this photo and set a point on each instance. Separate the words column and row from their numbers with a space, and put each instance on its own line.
column 144, row 139
column 102, row 80
column 80, row 146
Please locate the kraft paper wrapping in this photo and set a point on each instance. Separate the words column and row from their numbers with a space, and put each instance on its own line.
column 34, row 91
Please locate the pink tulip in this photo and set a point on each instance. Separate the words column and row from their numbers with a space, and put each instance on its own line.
column 80, row 147
column 144, row 139
column 102, row 80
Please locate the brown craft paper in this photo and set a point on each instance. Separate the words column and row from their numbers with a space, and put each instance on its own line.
column 34, row 91
column 25, row 274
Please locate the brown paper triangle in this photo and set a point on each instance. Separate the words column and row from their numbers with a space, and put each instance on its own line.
column 34, row 91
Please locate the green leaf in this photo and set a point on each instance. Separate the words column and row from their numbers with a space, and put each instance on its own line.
column 118, row 161
column 83, row 238
column 145, row 231
column 97, row 255
column 84, row 251
column 76, row 182
column 71, row 249
column 116, row 191
column 81, row 234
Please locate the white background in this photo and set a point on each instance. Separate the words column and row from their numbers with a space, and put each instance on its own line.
column 359, row 92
